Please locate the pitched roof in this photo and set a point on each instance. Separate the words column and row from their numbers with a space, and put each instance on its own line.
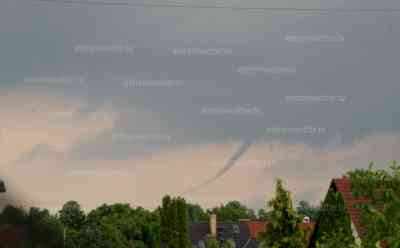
column 343, row 185
column 243, row 233
column 227, row 231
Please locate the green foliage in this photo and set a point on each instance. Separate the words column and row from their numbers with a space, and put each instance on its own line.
column 165, row 231
column 334, row 221
column 101, row 235
column 233, row 211
column 335, row 240
column 382, row 217
column 306, row 209
column 182, row 225
column 44, row 229
column 116, row 225
column 263, row 215
column 72, row 216
column 211, row 242
column 282, row 230
column 174, row 217
column 72, row 238
column 13, row 216
column 229, row 244
column 196, row 213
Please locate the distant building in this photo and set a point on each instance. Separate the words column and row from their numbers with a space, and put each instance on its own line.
column 243, row 233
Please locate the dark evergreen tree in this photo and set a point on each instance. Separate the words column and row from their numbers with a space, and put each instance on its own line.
column 165, row 225
column 182, row 223
column 334, row 220
column 72, row 216
column 174, row 223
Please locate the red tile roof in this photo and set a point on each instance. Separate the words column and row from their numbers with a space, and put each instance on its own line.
column 343, row 185
column 256, row 227
column 305, row 226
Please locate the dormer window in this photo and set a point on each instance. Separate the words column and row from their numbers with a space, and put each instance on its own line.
column 236, row 229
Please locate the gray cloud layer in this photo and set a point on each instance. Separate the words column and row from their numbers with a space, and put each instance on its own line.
column 86, row 87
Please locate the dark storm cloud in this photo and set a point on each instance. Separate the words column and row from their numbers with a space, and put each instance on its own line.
column 252, row 61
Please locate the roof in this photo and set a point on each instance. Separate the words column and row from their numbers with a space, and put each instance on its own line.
column 198, row 231
column 343, row 185
column 256, row 227
column 243, row 233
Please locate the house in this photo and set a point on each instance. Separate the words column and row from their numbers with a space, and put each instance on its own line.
column 243, row 233
column 343, row 186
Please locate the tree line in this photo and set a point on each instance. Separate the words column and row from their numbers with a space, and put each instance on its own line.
column 122, row 226
column 119, row 225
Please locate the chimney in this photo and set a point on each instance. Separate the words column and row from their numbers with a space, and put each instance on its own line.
column 213, row 225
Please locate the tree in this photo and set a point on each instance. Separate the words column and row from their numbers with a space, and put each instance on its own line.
column 13, row 216
column 173, row 220
column 282, row 231
column 196, row 213
column 212, row 242
column 174, row 233
column 263, row 215
column 382, row 216
column 306, row 209
column 72, row 238
column 138, row 227
column 102, row 235
column 339, row 239
column 182, row 226
column 229, row 244
column 334, row 223
column 72, row 216
column 233, row 211
column 44, row 229
column 165, row 228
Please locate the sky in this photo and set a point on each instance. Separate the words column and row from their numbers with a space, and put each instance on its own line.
column 112, row 102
